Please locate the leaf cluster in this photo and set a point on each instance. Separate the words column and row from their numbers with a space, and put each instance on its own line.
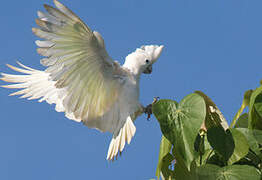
column 197, row 142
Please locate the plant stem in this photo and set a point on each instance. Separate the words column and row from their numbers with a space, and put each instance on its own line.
column 209, row 155
column 244, row 104
column 239, row 112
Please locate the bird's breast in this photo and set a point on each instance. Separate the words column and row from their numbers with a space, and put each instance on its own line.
column 130, row 93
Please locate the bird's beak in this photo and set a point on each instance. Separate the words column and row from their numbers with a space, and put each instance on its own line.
column 148, row 70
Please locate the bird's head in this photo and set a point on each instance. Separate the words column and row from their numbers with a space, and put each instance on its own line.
column 143, row 58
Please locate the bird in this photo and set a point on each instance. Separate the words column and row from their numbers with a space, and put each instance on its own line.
column 81, row 79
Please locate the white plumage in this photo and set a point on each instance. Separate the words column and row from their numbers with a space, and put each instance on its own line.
column 82, row 79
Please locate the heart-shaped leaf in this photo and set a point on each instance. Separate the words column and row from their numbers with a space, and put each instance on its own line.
column 180, row 124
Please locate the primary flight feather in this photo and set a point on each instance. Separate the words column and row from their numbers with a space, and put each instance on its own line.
column 82, row 79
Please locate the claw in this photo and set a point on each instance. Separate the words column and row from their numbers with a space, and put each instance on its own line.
column 148, row 108
column 155, row 99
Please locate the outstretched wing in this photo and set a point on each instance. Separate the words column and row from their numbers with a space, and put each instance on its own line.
column 81, row 78
column 78, row 62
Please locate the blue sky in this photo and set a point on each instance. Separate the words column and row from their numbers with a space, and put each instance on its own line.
column 213, row 46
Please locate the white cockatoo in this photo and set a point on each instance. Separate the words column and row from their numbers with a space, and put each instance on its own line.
column 82, row 79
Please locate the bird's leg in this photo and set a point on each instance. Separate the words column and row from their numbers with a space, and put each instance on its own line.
column 148, row 108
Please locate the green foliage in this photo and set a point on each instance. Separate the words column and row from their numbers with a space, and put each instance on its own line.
column 233, row 172
column 222, row 142
column 241, row 146
column 254, row 117
column 242, row 121
column 164, row 150
column 180, row 124
column 197, row 142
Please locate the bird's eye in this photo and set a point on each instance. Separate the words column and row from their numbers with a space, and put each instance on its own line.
column 147, row 61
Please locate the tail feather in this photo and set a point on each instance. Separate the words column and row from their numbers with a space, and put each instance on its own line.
column 13, row 78
column 26, row 67
column 118, row 142
column 26, row 71
column 35, row 84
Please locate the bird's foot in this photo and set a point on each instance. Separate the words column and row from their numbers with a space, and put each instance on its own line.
column 148, row 108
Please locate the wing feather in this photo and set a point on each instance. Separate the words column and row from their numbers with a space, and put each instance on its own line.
column 77, row 61
column 81, row 78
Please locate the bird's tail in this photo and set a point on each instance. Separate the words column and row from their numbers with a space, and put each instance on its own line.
column 118, row 141
column 34, row 84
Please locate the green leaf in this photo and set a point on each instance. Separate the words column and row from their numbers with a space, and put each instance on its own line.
column 167, row 161
column 258, row 104
column 233, row 172
column 251, row 140
column 231, row 144
column 180, row 124
column 214, row 117
column 222, row 142
column 258, row 135
column 241, row 146
column 165, row 147
column 254, row 119
column 242, row 121
column 164, row 110
column 180, row 172
column 207, row 172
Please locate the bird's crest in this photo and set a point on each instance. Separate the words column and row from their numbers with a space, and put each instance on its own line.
column 153, row 51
